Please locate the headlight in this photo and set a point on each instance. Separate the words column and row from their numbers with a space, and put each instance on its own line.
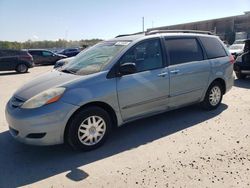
column 46, row 97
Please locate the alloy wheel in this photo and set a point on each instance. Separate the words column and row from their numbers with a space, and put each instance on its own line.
column 215, row 95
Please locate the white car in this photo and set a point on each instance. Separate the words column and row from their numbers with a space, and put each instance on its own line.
column 237, row 48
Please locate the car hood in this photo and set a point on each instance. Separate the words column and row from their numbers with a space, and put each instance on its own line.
column 44, row 82
column 61, row 55
column 66, row 60
column 236, row 51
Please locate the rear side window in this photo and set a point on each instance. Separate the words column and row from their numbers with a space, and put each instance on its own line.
column 213, row 47
column 35, row 53
column 183, row 50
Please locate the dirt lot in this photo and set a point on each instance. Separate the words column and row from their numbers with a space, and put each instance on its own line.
column 183, row 148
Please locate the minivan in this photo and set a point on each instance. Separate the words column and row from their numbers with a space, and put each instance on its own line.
column 118, row 81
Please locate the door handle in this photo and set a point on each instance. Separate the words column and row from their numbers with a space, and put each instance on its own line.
column 163, row 74
column 174, row 71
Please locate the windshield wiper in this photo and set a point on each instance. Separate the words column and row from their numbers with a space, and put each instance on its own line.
column 68, row 71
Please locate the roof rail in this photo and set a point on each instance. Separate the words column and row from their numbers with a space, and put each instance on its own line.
column 179, row 31
column 124, row 35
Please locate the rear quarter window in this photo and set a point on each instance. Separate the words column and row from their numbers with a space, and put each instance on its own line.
column 213, row 47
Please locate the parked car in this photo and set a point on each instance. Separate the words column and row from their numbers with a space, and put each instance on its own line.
column 242, row 64
column 45, row 57
column 118, row 81
column 62, row 62
column 65, row 61
column 17, row 60
column 237, row 48
column 69, row 52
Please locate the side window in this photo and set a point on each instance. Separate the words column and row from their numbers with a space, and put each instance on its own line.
column 38, row 53
column 146, row 55
column 46, row 53
column 183, row 50
column 213, row 47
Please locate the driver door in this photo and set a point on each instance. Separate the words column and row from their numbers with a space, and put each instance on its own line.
column 147, row 90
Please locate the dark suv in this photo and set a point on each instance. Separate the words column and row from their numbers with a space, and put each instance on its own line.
column 242, row 64
column 70, row 52
column 45, row 57
column 17, row 60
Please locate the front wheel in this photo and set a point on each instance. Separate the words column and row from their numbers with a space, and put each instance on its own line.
column 213, row 96
column 88, row 128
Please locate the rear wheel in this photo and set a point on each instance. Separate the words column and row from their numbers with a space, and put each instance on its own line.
column 22, row 68
column 240, row 75
column 213, row 96
column 88, row 128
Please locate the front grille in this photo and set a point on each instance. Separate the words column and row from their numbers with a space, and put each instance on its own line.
column 16, row 102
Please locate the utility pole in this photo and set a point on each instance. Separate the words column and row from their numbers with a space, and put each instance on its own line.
column 143, row 24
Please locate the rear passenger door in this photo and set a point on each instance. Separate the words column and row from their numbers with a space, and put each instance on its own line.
column 189, row 72
column 37, row 55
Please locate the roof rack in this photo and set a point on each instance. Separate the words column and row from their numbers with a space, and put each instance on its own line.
column 178, row 31
column 124, row 35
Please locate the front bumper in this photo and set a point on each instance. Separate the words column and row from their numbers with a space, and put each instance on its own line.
column 40, row 126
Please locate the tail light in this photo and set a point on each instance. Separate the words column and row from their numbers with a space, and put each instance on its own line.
column 26, row 57
column 231, row 59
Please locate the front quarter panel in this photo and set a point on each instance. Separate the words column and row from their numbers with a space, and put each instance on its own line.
column 97, row 88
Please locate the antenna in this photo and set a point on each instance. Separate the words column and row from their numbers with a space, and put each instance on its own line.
column 143, row 24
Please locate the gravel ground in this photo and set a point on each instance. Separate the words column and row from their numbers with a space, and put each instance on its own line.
column 183, row 148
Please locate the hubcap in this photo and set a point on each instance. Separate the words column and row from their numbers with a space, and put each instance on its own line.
column 215, row 96
column 22, row 68
column 91, row 130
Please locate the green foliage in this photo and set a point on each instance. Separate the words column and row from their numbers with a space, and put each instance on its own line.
column 47, row 44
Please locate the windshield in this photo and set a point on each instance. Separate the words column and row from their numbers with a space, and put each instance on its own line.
column 236, row 47
column 95, row 58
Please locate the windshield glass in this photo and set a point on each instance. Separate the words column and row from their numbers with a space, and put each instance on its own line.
column 95, row 58
column 236, row 47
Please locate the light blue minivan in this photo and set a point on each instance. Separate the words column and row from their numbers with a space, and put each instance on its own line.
column 118, row 81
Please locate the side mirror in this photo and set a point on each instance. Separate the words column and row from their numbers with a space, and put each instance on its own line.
column 127, row 68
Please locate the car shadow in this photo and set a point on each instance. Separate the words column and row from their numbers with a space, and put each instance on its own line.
column 242, row 83
column 11, row 73
column 22, row 165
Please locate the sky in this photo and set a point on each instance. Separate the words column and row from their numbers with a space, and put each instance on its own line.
column 22, row 20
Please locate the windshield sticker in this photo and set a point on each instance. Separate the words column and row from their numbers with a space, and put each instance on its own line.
column 122, row 43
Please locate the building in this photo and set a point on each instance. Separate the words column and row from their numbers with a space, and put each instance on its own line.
column 228, row 28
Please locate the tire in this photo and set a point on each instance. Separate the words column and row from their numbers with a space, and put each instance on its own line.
column 81, row 129
column 22, row 68
column 213, row 96
column 240, row 75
